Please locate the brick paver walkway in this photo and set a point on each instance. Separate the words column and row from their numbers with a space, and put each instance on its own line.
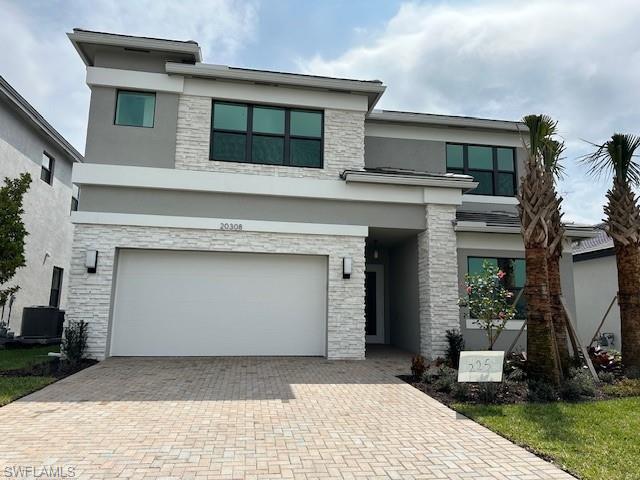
column 252, row 418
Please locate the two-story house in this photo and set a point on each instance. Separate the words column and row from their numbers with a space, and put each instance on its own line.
column 28, row 143
column 229, row 211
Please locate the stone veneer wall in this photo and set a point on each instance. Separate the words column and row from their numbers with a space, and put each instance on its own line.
column 90, row 294
column 343, row 143
column 437, row 280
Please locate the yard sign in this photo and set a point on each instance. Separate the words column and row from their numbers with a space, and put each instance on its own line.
column 480, row 366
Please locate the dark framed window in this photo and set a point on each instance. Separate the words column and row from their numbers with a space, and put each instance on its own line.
column 56, row 287
column 46, row 172
column 494, row 168
column 266, row 135
column 514, row 279
column 135, row 109
column 75, row 194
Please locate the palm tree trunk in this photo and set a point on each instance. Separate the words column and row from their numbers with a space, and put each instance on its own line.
column 541, row 355
column 628, row 261
column 558, row 314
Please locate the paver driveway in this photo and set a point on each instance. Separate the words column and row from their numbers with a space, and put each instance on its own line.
column 252, row 418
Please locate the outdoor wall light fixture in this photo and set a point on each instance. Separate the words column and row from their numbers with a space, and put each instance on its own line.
column 346, row 267
column 92, row 261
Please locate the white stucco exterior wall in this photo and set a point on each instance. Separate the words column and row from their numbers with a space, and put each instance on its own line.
column 596, row 283
column 47, row 219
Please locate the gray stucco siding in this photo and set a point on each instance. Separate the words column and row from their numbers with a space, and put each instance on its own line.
column 250, row 207
column 475, row 338
column 400, row 153
column 112, row 144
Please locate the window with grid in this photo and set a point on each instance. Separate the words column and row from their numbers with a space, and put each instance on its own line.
column 266, row 135
column 494, row 168
column 514, row 279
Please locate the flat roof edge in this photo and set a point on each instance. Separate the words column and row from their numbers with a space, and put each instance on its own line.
column 79, row 36
column 445, row 121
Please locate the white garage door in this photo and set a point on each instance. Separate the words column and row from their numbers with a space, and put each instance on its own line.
column 214, row 303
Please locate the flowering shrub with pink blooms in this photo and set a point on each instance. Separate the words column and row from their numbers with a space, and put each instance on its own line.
column 489, row 303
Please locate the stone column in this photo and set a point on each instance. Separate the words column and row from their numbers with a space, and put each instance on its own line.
column 437, row 280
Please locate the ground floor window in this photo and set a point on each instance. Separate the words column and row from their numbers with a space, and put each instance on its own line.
column 56, row 287
column 514, row 279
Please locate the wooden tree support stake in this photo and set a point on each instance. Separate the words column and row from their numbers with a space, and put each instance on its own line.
column 595, row 335
column 524, row 324
column 572, row 333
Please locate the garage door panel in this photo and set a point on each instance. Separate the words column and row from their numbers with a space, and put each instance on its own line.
column 214, row 303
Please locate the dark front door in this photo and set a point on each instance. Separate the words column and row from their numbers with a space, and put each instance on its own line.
column 374, row 304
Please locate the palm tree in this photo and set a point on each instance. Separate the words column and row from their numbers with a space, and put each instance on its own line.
column 617, row 156
column 535, row 207
column 551, row 155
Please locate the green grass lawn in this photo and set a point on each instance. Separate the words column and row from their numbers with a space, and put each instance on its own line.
column 594, row 440
column 12, row 388
column 18, row 358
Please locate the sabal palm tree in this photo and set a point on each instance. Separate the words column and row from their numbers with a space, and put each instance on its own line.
column 535, row 207
column 551, row 155
column 622, row 223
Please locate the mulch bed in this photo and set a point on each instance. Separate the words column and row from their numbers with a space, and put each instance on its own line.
column 55, row 367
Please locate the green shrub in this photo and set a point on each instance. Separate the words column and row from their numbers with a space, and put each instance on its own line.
column 607, row 377
column 446, row 379
column 539, row 392
column 431, row 374
column 626, row 387
column 516, row 375
column 579, row 384
column 74, row 342
column 488, row 392
column 455, row 344
column 461, row 391
column 418, row 366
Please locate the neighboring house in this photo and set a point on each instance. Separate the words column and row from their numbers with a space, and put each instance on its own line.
column 247, row 212
column 28, row 143
column 595, row 275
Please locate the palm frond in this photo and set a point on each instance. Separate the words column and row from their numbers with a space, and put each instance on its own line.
column 616, row 156
column 552, row 151
column 541, row 128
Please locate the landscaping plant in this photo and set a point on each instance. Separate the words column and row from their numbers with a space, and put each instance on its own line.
column 455, row 344
column 622, row 223
column 74, row 342
column 12, row 232
column 418, row 366
column 489, row 302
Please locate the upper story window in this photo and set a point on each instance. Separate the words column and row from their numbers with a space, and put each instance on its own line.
column 266, row 135
column 135, row 109
column 494, row 168
column 75, row 193
column 46, row 172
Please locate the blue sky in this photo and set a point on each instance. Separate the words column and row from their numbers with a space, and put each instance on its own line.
column 577, row 60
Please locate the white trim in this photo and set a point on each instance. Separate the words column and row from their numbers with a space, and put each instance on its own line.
column 447, row 180
column 446, row 120
column 200, row 181
column 489, row 241
column 489, row 199
column 130, row 219
column 274, row 95
column 514, row 324
column 112, row 77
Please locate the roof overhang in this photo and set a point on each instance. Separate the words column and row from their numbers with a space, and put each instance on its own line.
column 426, row 119
column 572, row 231
column 447, row 180
column 373, row 89
column 25, row 109
column 84, row 41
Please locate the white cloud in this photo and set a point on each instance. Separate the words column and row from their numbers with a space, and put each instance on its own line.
column 577, row 60
column 40, row 62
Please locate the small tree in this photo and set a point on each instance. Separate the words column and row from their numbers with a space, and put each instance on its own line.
column 12, row 232
column 489, row 302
